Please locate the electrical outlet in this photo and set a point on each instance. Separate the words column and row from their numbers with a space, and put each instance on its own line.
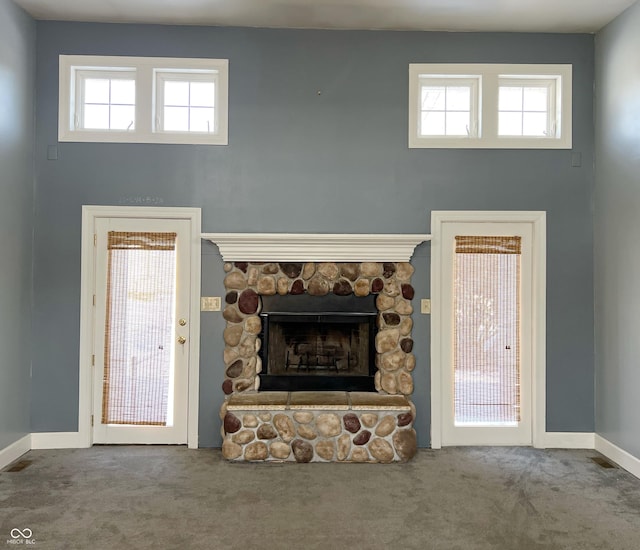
column 425, row 306
column 210, row 303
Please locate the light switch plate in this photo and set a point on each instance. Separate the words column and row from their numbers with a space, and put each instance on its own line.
column 210, row 303
column 425, row 306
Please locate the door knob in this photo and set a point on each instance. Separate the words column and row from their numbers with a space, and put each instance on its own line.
column 181, row 339
column 182, row 322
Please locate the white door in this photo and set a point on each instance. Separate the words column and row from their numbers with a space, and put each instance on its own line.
column 141, row 330
column 487, row 319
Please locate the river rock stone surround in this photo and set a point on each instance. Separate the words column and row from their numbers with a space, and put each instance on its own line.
column 246, row 282
column 265, row 439
column 318, row 427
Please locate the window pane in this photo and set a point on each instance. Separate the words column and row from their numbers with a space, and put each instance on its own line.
column 535, row 99
column 457, row 124
column 534, row 124
column 510, row 98
column 458, row 98
column 433, row 98
column 96, row 90
column 203, row 94
column 96, row 117
column 201, row 119
column 122, row 117
column 123, row 91
column 176, row 119
column 432, row 124
column 510, row 124
column 176, row 93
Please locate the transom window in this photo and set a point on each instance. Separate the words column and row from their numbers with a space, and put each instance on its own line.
column 107, row 100
column 448, row 106
column 526, row 107
column 143, row 100
column 490, row 106
column 188, row 102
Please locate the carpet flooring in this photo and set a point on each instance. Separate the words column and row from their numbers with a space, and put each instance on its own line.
column 456, row 498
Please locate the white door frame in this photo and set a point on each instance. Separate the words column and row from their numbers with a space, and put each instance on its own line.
column 538, row 326
column 85, row 399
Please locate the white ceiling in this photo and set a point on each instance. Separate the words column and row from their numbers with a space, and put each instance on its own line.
column 453, row 15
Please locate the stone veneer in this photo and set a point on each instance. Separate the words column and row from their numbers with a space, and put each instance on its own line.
column 246, row 282
column 318, row 426
column 263, row 439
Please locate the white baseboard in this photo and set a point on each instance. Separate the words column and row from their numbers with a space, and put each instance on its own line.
column 58, row 440
column 552, row 440
column 569, row 440
column 15, row 451
column 619, row 456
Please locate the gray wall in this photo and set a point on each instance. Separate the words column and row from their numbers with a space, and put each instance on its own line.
column 302, row 162
column 17, row 84
column 617, row 231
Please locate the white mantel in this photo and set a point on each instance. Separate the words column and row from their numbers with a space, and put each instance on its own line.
column 315, row 247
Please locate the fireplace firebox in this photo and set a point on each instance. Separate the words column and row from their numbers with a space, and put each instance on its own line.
column 319, row 343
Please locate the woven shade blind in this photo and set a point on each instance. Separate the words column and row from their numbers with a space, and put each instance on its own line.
column 487, row 330
column 138, row 354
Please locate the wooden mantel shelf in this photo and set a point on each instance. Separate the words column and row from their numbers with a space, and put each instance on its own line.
column 317, row 247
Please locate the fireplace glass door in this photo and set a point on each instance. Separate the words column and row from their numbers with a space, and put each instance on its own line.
column 313, row 350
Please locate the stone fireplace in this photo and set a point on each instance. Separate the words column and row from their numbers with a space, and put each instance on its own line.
column 318, row 354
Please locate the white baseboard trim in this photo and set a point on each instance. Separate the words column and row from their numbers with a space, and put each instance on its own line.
column 552, row 440
column 619, row 456
column 569, row 440
column 57, row 440
column 15, row 451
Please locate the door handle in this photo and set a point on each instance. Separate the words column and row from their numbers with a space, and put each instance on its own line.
column 181, row 339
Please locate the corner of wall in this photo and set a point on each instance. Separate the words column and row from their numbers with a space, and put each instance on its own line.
column 14, row 451
column 619, row 456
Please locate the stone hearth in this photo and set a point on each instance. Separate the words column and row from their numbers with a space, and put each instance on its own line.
column 318, row 426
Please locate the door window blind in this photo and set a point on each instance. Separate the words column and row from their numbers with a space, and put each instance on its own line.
column 487, row 330
column 139, row 329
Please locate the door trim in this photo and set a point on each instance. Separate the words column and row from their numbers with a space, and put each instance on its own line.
column 538, row 325
column 87, row 274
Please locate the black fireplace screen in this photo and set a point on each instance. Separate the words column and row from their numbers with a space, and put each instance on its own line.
column 318, row 343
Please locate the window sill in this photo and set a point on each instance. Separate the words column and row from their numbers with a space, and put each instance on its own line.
column 497, row 143
column 127, row 137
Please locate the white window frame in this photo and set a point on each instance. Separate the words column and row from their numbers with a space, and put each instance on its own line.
column 473, row 82
column 552, row 85
column 74, row 67
column 78, row 91
column 160, row 76
column 490, row 76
